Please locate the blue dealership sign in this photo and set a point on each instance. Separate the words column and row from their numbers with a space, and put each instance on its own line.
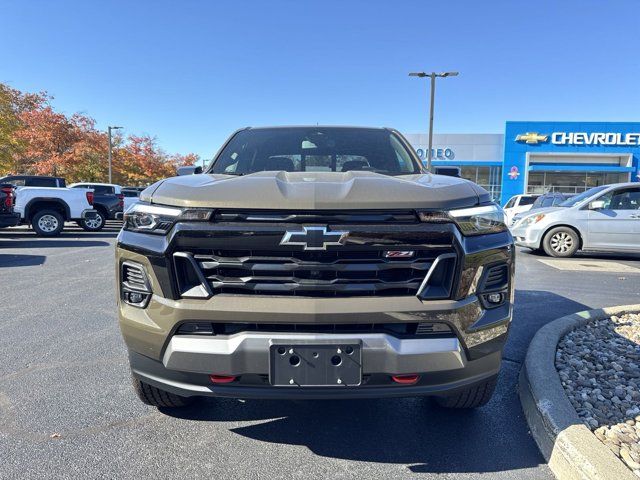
column 567, row 146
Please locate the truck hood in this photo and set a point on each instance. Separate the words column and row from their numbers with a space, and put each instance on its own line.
column 316, row 190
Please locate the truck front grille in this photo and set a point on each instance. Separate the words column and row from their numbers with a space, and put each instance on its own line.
column 340, row 273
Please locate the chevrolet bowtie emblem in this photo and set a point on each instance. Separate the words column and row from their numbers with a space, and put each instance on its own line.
column 314, row 238
column 531, row 138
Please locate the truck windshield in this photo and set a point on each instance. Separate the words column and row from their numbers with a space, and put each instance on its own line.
column 583, row 196
column 315, row 149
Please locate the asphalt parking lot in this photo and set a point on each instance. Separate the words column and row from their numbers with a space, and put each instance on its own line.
column 67, row 409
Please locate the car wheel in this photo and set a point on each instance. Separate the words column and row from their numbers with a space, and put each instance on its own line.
column 47, row 223
column 561, row 242
column 93, row 224
column 155, row 397
column 472, row 397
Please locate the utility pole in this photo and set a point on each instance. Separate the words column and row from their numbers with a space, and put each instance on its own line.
column 110, row 146
column 432, row 76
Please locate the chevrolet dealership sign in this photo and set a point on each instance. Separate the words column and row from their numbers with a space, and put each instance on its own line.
column 581, row 138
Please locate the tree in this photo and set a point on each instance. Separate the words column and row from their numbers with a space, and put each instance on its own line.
column 34, row 138
column 13, row 104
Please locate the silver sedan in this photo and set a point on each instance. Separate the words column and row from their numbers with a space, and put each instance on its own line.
column 605, row 218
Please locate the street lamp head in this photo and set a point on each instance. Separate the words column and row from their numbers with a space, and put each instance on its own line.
column 448, row 74
column 115, row 128
column 418, row 74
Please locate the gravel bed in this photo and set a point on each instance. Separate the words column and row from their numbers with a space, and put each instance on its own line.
column 599, row 366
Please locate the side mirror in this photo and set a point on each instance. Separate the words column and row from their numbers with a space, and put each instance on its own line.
column 189, row 170
column 596, row 205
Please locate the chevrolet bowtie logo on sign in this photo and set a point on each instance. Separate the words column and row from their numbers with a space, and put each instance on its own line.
column 532, row 138
column 314, row 238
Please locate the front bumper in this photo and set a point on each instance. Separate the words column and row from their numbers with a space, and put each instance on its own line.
column 9, row 220
column 182, row 363
column 530, row 237
column 441, row 373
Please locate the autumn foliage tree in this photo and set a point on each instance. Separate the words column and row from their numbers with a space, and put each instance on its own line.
column 36, row 139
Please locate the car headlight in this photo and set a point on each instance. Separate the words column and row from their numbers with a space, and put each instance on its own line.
column 158, row 219
column 531, row 219
column 471, row 221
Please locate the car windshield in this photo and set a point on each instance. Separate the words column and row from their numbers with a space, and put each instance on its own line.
column 527, row 200
column 315, row 149
column 582, row 196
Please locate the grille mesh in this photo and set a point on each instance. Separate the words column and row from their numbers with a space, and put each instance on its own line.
column 314, row 273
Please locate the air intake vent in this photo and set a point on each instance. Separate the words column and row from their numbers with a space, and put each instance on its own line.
column 433, row 329
column 134, row 277
column 496, row 278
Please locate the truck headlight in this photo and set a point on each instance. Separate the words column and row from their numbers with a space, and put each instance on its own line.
column 158, row 219
column 471, row 221
column 479, row 220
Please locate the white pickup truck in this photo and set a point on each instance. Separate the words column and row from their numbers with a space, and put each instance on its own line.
column 47, row 206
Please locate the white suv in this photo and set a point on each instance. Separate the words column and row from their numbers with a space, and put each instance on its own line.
column 518, row 204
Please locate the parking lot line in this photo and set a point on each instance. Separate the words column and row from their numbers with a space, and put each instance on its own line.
column 587, row 265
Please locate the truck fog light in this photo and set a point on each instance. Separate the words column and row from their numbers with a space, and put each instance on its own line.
column 135, row 297
column 495, row 298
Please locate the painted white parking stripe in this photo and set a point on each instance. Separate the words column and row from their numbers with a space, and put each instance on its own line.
column 586, row 265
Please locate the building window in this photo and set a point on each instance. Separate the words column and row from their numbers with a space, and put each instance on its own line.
column 571, row 182
column 488, row 178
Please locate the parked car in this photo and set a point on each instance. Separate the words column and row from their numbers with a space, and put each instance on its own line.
column 131, row 196
column 35, row 181
column 47, row 208
column 605, row 218
column 8, row 218
column 518, row 204
column 315, row 262
column 108, row 200
column 550, row 199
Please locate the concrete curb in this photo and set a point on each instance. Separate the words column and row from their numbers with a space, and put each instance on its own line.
column 571, row 450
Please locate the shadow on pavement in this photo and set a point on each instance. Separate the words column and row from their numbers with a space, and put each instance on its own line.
column 58, row 242
column 15, row 260
column 532, row 310
column 411, row 431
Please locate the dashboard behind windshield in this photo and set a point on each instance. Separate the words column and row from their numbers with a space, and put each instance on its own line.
column 315, row 149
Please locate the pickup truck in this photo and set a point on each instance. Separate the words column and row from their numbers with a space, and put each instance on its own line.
column 8, row 218
column 47, row 208
column 108, row 201
column 315, row 262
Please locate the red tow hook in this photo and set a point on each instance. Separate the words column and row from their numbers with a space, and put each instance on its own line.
column 409, row 379
column 222, row 378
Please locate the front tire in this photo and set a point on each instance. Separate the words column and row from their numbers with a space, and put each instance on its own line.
column 47, row 223
column 472, row 397
column 155, row 397
column 561, row 242
column 93, row 224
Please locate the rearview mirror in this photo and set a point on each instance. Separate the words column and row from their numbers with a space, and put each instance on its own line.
column 596, row 205
column 189, row 170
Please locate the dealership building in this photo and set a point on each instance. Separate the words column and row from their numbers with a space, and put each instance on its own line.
column 540, row 157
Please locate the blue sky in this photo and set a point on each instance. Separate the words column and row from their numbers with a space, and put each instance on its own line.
column 191, row 72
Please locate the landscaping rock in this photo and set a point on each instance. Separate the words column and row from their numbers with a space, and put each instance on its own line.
column 598, row 365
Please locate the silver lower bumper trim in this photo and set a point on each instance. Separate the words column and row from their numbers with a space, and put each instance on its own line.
column 249, row 352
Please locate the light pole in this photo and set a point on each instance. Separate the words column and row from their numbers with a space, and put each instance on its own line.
column 433, row 76
column 109, row 132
